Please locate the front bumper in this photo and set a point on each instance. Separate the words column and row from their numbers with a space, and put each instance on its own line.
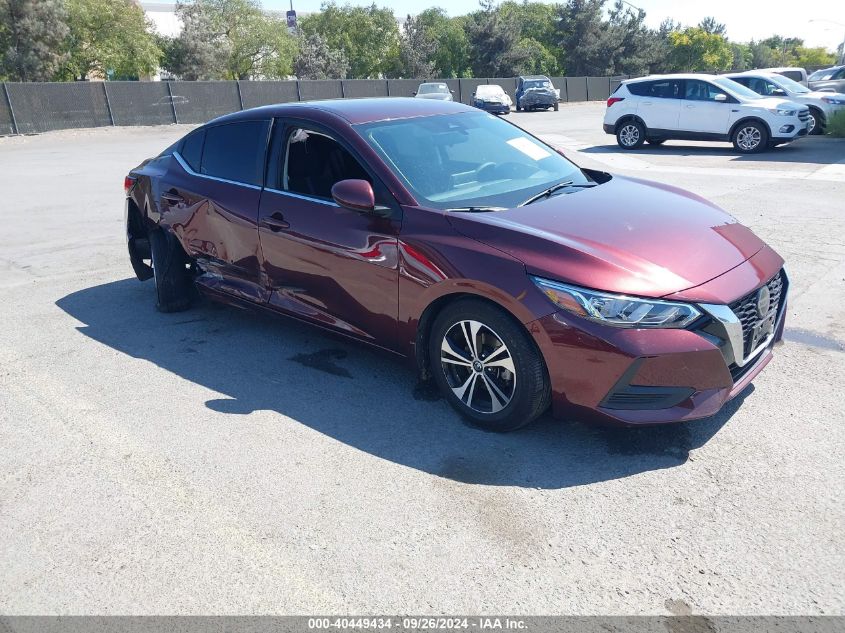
column 627, row 376
column 533, row 100
column 495, row 108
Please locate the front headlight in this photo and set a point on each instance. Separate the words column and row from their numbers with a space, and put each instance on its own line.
column 833, row 100
column 618, row 310
column 782, row 112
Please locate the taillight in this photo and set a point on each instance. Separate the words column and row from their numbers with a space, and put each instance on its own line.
column 128, row 181
column 613, row 100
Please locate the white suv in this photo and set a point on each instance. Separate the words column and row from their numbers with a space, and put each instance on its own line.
column 703, row 108
column 823, row 105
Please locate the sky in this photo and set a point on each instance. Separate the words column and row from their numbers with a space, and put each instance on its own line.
column 745, row 19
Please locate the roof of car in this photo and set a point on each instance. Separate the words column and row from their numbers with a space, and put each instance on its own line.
column 357, row 111
column 672, row 76
column 759, row 73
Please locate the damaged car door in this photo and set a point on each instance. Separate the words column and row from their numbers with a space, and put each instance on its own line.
column 210, row 197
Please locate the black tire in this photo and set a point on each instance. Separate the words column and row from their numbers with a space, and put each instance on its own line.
column 630, row 134
column 556, row 107
column 523, row 394
column 655, row 141
column 816, row 122
column 518, row 107
column 750, row 137
column 171, row 273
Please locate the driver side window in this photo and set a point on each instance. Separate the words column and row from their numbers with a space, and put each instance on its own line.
column 313, row 162
column 701, row 91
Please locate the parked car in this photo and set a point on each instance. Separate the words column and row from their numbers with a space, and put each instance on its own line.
column 822, row 105
column 796, row 74
column 500, row 269
column 435, row 90
column 492, row 98
column 536, row 92
column 700, row 107
column 828, row 80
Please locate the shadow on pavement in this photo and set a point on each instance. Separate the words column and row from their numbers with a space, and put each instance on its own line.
column 812, row 150
column 363, row 398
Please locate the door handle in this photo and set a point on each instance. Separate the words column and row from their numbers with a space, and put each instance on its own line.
column 172, row 198
column 690, row 106
column 646, row 102
column 275, row 222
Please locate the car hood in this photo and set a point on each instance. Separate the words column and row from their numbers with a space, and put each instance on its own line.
column 818, row 94
column 438, row 96
column 627, row 235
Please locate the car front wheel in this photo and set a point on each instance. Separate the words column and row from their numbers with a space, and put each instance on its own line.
column 630, row 135
column 750, row 138
column 815, row 123
column 487, row 366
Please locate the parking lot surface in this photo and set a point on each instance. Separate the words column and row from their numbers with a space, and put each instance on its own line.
column 215, row 461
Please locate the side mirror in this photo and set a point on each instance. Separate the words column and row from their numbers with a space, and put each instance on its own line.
column 452, row 91
column 414, row 93
column 721, row 97
column 778, row 92
column 354, row 194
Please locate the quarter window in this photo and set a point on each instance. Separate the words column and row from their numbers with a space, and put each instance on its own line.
column 191, row 150
column 235, row 151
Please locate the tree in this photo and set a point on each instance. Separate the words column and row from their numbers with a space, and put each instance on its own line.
column 317, row 61
column 809, row 57
column 581, row 36
column 632, row 48
column 368, row 36
column 108, row 38
column 31, row 37
column 537, row 21
column 416, row 49
column 451, row 46
column 693, row 49
column 494, row 43
column 711, row 27
column 742, row 56
column 230, row 39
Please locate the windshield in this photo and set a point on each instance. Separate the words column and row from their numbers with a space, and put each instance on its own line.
column 823, row 75
column 471, row 159
column 432, row 88
column 734, row 88
column 489, row 91
column 538, row 83
column 790, row 86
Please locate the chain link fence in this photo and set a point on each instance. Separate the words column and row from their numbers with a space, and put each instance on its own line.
column 29, row 108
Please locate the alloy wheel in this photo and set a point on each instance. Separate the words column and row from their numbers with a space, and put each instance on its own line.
column 478, row 366
column 812, row 123
column 629, row 135
column 749, row 138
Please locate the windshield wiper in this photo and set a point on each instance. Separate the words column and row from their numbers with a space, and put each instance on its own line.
column 477, row 209
column 561, row 185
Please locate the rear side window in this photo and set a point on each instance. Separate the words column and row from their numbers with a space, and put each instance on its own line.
column 662, row 89
column 794, row 75
column 191, row 150
column 235, row 151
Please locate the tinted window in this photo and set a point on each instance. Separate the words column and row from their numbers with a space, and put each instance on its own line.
column 235, row 151
column 701, row 91
column 794, row 75
column 314, row 162
column 763, row 87
column 664, row 89
column 191, row 149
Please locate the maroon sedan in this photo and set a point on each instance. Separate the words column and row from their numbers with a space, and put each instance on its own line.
column 443, row 234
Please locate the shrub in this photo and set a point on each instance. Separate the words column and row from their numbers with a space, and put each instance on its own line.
column 836, row 125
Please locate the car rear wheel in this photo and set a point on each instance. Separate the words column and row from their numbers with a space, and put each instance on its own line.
column 750, row 138
column 171, row 273
column 630, row 135
column 487, row 366
column 557, row 107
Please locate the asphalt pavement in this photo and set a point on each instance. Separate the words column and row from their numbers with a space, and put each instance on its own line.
column 216, row 461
